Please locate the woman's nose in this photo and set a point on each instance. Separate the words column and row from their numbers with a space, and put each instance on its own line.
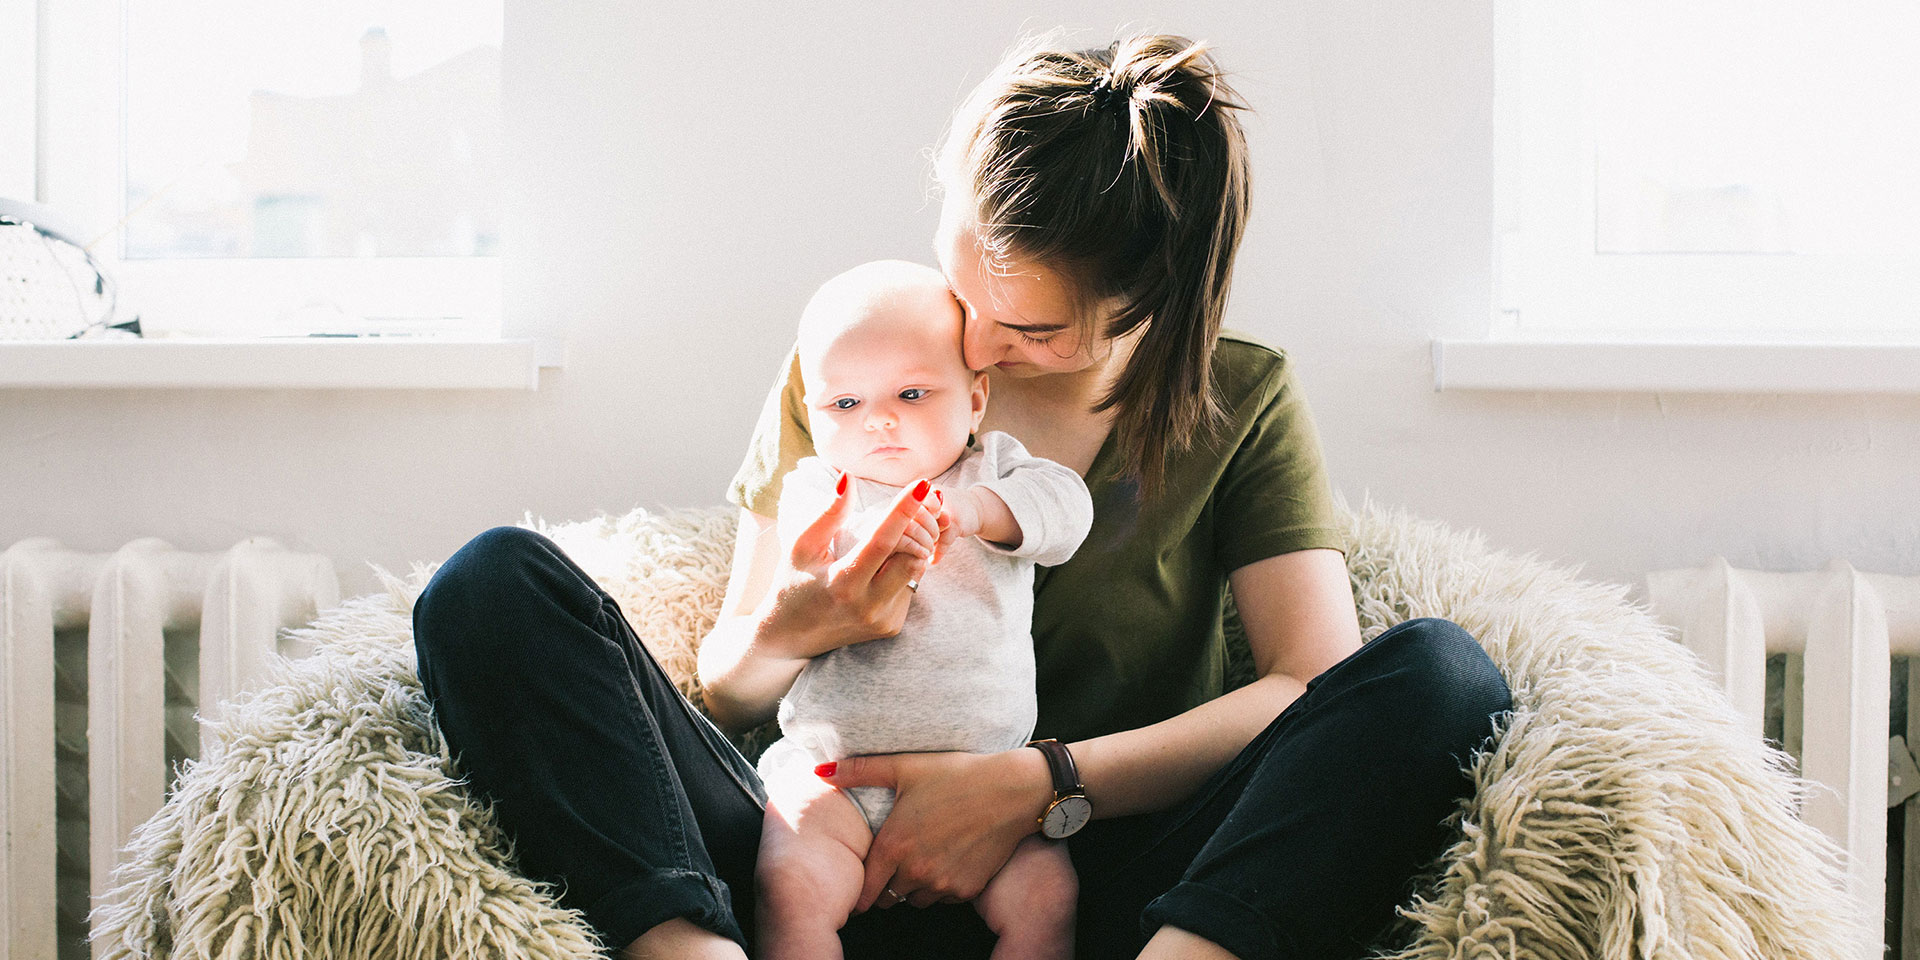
column 977, row 346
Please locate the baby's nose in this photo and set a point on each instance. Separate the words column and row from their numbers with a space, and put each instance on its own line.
column 881, row 420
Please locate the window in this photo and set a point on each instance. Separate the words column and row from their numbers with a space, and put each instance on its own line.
column 281, row 168
column 1729, row 171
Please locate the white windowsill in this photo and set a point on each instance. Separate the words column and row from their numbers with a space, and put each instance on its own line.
column 297, row 363
column 1839, row 368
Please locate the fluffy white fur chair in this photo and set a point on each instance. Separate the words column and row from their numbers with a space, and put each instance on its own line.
column 1621, row 815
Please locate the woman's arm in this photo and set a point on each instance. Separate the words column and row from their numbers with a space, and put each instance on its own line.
column 740, row 680
column 786, row 605
column 1299, row 616
column 1298, row 612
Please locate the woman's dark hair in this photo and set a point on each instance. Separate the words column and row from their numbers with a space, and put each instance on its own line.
column 1125, row 170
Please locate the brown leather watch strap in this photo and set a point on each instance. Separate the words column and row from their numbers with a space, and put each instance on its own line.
column 1066, row 776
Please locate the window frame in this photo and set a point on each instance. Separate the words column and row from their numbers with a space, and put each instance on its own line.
column 19, row 88
column 1565, row 317
column 79, row 170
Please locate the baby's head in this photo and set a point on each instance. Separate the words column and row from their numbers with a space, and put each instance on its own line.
column 889, row 397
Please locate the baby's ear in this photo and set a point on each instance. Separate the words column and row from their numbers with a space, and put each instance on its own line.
column 979, row 397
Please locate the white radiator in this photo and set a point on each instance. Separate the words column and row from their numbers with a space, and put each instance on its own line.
column 104, row 659
column 1839, row 629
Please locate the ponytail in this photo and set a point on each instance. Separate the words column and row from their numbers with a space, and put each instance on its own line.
column 1124, row 169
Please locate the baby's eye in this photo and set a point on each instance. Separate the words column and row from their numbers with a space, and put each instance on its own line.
column 913, row 393
column 845, row 403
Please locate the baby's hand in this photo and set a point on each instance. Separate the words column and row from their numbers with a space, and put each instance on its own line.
column 961, row 515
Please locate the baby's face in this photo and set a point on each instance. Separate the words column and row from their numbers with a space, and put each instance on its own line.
column 890, row 399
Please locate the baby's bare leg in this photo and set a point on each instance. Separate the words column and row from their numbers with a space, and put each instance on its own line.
column 1029, row 904
column 679, row 939
column 813, row 849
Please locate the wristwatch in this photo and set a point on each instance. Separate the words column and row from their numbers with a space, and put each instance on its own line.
column 1070, row 809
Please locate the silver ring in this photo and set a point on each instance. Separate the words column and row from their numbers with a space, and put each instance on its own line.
column 889, row 892
column 913, row 585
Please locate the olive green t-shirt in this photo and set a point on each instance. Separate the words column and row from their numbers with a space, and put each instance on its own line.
column 1128, row 632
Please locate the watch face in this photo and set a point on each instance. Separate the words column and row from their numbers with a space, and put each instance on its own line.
column 1066, row 817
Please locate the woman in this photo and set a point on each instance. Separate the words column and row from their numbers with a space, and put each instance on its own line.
column 1093, row 205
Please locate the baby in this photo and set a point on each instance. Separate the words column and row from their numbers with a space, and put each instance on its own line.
column 890, row 402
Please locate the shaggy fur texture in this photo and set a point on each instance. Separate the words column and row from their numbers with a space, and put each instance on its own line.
column 1622, row 815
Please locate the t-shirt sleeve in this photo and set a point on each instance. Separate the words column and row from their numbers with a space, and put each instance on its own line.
column 1274, row 497
column 779, row 442
column 1048, row 500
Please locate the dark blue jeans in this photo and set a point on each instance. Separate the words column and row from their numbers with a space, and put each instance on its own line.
column 618, row 791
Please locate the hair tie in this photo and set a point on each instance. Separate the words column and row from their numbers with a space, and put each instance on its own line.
column 1105, row 97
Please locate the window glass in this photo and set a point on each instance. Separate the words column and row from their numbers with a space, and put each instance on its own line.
column 1755, row 126
column 263, row 128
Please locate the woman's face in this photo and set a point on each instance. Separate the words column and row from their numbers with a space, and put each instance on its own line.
column 1020, row 320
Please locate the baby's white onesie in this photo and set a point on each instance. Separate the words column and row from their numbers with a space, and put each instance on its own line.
column 959, row 675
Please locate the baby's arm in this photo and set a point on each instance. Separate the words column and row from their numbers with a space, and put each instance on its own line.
column 1028, row 506
column 979, row 512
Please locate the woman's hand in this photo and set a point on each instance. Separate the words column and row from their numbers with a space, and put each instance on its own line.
column 820, row 604
column 788, row 603
column 955, row 821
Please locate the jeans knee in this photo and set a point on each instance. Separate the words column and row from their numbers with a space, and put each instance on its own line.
column 475, row 587
column 495, row 561
column 508, row 540
column 499, row 552
column 1451, row 682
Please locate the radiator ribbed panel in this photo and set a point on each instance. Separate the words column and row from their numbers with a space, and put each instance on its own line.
column 104, row 661
column 1839, row 630
column 70, row 790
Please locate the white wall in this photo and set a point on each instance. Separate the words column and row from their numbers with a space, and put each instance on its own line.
column 683, row 177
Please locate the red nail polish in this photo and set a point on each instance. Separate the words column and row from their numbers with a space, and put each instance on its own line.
column 840, row 489
column 920, row 490
column 825, row 770
column 938, row 496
